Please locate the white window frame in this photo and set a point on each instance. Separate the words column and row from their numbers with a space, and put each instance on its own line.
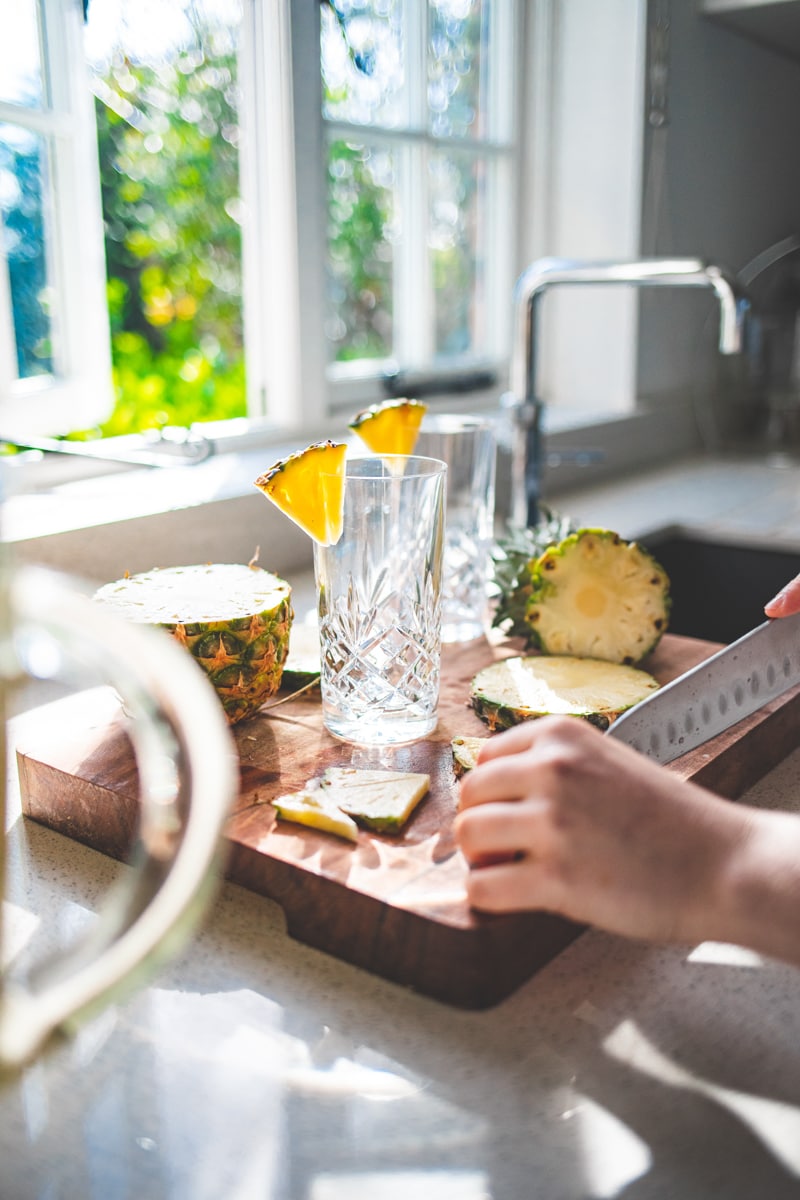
column 282, row 167
column 79, row 392
column 292, row 234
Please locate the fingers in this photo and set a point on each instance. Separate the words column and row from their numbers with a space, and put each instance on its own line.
column 787, row 601
column 511, row 741
column 511, row 887
column 500, row 830
column 511, row 764
column 500, row 779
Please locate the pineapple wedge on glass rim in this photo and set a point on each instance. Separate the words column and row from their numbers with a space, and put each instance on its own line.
column 308, row 487
column 391, row 427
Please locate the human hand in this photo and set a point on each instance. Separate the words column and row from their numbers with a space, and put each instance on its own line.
column 787, row 601
column 590, row 829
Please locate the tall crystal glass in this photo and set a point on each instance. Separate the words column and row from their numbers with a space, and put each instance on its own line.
column 467, row 445
column 379, row 602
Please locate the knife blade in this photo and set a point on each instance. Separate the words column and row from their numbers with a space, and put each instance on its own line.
column 711, row 697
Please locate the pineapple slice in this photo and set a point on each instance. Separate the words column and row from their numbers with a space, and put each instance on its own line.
column 465, row 752
column 595, row 595
column 312, row 808
column 380, row 800
column 391, row 427
column 308, row 487
column 520, row 689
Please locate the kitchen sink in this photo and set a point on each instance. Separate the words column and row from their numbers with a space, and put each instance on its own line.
column 719, row 589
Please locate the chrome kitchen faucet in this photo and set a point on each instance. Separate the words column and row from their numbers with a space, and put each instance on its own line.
column 527, row 408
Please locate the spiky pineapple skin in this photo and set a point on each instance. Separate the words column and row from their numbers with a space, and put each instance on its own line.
column 514, row 557
column 243, row 659
column 504, row 716
column 543, row 575
column 242, row 655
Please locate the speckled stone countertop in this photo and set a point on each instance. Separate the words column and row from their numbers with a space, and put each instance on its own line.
column 255, row 1067
column 752, row 501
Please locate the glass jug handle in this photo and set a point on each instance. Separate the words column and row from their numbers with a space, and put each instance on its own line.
column 188, row 778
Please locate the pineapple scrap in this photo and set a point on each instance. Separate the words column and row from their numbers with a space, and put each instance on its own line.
column 308, row 486
column 465, row 752
column 379, row 800
column 344, row 798
column 312, row 808
column 391, row 427
column 521, row 689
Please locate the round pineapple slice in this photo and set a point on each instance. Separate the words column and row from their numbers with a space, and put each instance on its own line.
column 308, row 486
column 391, row 427
column 233, row 619
column 521, row 689
column 594, row 595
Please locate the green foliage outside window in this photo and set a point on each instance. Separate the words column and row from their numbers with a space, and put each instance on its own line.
column 170, row 189
column 168, row 134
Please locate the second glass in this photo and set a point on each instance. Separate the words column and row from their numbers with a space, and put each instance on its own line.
column 379, row 602
column 467, row 445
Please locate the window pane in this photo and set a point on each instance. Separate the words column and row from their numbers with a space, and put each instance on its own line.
column 20, row 63
column 23, row 188
column 361, row 237
column 457, row 63
column 362, row 62
column 457, row 184
column 166, row 84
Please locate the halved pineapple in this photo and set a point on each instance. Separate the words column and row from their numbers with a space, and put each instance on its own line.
column 595, row 595
column 391, row 427
column 308, row 486
column 521, row 689
column 233, row 619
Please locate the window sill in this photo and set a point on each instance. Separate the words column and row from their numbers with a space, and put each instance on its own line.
column 122, row 519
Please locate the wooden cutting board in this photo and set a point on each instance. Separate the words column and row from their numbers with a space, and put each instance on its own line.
column 392, row 905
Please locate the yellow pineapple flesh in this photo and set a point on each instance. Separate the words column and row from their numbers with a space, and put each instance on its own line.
column 520, row 689
column 308, row 487
column 391, row 427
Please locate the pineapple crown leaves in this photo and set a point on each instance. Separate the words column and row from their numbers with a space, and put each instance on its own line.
column 513, row 557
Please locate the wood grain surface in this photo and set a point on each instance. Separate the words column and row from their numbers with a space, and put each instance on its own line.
column 394, row 905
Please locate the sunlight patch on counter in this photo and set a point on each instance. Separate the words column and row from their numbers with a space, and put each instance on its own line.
column 725, row 954
column 775, row 1123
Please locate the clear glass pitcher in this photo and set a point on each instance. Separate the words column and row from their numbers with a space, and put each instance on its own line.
column 186, row 765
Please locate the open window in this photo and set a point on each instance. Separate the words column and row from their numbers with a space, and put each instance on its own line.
column 55, row 369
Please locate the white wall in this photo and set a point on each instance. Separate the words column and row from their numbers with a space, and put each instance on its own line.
column 722, row 179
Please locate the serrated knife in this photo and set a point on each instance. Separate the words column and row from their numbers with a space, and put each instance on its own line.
column 713, row 696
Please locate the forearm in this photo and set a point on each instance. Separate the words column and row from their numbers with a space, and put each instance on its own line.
column 758, row 895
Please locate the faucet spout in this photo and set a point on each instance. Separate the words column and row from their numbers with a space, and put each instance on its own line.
column 548, row 272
